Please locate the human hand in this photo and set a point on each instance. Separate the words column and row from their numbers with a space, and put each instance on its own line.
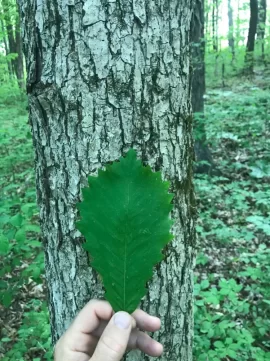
column 95, row 335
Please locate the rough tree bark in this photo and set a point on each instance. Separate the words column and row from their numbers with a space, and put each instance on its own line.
column 261, row 25
column 251, row 35
column 104, row 76
column 198, row 87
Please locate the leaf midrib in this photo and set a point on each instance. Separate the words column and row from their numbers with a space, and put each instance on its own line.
column 125, row 255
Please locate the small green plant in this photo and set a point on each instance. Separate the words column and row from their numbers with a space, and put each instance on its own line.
column 33, row 336
column 228, row 324
column 21, row 255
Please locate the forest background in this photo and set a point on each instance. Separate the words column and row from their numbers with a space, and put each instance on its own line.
column 232, row 174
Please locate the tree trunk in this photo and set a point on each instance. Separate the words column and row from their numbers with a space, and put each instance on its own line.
column 10, row 32
column 206, row 19
column 261, row 25
column 251, row 35
column 238, row 32
column 214, row 23
column 198, row 88
column 231, row 29
column 14, row 40
column 216, row 27
column 105, row 76
column 19, row 60
column 9, row 66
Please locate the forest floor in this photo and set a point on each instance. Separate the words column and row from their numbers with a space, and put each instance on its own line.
column 232, row 291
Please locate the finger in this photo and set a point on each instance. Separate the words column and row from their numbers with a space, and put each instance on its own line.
column 89, row 317
column 145, row 343
column 113, row 342
column 137, row 339
column 146, row 322
column 81, row 342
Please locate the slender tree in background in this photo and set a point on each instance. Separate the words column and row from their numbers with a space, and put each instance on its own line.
column 9, row 30
column 202, row 151
column 19, row 66
column 231, row 29
column 215, row 32
column 12, row 25
column 251, row 35
column 214, row 25
column 5, row 43
column 262, row 25
column 207, row 24
column 217, row 23
column 238, row 32
column 103, row 77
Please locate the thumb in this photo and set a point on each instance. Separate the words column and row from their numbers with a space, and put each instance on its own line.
column 114, row 340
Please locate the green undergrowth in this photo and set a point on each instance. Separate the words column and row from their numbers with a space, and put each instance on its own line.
column 223, row 69
column 232, row 293
column 24, row 325
column 232, row 290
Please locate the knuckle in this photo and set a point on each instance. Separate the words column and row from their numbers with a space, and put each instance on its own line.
column 112, row 345
column 92, row 302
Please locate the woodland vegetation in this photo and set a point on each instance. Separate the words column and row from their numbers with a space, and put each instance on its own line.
column 231, row 102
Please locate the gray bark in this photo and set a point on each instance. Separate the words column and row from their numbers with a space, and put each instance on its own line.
column 104, row 76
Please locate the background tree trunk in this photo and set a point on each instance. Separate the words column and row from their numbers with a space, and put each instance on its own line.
column 10, row 32
column 231, row 29
column 198, row 88
column 14, row 40
column 19, row 60
column 9, row 66
column 217, row 24
column 261, row 25
column 251, row 35
column 105, row 76
column 238, row 32
column 214, row 23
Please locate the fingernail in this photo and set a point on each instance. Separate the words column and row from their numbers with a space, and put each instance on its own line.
column 122, row 320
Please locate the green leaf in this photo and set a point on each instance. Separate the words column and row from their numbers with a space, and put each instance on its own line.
column 20, row 235
column 6, row 339
column 4, row 245
column 6, row 299
column 16, row 220
column 205, row 284
column 29, row 209
column 32, row 228
column 219, row 344
column 232, row 354
column 125, row 220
